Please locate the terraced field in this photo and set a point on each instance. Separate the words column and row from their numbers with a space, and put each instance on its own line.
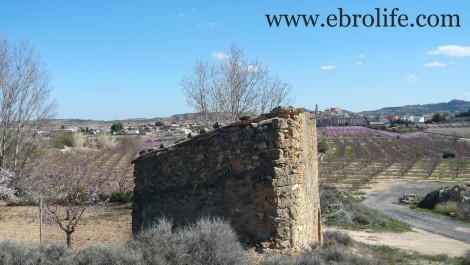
column 349, row 162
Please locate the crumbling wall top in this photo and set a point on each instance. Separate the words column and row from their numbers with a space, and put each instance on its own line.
column 278, row 112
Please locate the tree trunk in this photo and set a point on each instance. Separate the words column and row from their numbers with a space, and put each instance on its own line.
column 69, row 239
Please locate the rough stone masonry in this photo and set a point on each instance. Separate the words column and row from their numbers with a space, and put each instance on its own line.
column 260, row 174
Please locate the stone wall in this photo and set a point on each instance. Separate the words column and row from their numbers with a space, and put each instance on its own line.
column 260, row 175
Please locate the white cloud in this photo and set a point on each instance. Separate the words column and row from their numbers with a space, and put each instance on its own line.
column 328, row 67
column 435, row 64
column 181, row 15
column 359, row 56
column 359, row 63
column 452, row 50
column 412, row 79
column 220, row 56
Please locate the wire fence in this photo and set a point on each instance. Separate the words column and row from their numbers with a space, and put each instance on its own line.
column 109, row 224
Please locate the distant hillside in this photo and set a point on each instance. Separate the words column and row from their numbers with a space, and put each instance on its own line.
column 453, row 106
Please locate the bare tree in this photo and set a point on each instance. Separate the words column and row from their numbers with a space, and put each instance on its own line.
column 458, row 165
column 274, row 92
column 24, row 104
column 233, row 88
column 198, row 89
column 430, row 164
column 69, row 184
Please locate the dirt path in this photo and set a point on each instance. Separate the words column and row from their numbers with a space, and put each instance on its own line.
column 385, row 196
column 418, row 240
column 432, row 234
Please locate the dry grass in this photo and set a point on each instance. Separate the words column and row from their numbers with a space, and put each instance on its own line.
column 448, row 208
column 109, row 224
column 458, row 210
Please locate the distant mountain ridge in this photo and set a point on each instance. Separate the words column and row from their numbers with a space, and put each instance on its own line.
column 453, row 106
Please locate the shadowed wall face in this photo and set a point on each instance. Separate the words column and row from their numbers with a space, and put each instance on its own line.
column 262, row 177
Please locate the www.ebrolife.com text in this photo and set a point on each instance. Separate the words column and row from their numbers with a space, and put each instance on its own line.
column 380, row 18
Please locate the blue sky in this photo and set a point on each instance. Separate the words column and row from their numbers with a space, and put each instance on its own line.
column 125, row 59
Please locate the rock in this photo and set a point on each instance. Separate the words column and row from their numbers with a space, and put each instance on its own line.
column 245, row 118
column 203, row 130
column 180, row 140
column 277, row 219
column 409, row 199
column 332, row 208
column 456, row 193
column 261, row 145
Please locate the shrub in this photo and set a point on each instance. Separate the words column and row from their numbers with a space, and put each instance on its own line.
column 362, row 218
column 448, row 153
column 78, row 140
column 24, row 253
column 466, row 258
column 335, row 250
column 63, row 139
column 447, row 208
column 24, row 200
column 103, row 254
column 455, row 209
column 209, row 241
column 13, row 253
column 69, row 139
column 117, row 196
column 322, row 146
column 354, row 215
column 128, row 142
column 333, row 237
column 335, row 254
column 53, row 253
column 105, row 141
column 212, row 241
column 155, row 243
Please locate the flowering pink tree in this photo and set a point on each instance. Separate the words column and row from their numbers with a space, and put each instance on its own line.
column 69, row 184
column 5, row 179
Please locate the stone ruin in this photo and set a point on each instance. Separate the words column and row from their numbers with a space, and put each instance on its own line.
column 259, row 174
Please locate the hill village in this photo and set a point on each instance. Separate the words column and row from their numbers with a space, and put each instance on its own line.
column 181, row 126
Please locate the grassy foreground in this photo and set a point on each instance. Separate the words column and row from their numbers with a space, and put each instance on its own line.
column 351, row 214
column 339, row 248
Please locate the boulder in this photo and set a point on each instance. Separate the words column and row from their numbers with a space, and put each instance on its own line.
column 456, row 193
